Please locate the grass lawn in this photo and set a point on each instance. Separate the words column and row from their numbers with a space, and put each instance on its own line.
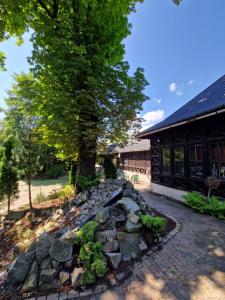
column 44, row 186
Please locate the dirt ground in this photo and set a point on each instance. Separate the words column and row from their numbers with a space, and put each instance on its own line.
column 44, row 186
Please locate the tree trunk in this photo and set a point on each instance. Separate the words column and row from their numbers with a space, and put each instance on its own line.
column 29, row 191
column 9, row 205
column 87, row 158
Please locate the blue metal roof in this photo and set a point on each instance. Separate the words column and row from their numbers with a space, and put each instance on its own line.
column 210, row 100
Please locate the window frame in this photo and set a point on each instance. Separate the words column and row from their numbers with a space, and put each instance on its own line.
column 178, row 161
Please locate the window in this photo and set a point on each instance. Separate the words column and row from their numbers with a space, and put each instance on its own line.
column 217, row 161
column 166, row 160
column 196, row 160
column 179, row 161
column 125, row 160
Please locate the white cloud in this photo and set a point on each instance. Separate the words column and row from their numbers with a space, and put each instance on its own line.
column 173, row 87
column 152, row 117
column 190, row 82
column 157, row 100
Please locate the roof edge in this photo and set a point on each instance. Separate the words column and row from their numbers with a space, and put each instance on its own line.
column 181, row 123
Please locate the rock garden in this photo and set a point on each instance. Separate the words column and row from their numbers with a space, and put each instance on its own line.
column 91, row 240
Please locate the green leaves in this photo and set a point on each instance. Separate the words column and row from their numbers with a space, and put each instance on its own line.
column 2, row 61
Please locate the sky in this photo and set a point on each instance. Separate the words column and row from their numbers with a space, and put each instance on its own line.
column 182, row 50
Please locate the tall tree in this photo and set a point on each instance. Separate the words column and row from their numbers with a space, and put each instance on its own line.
column 86, row 93
column 21, row 122
column 8, row 173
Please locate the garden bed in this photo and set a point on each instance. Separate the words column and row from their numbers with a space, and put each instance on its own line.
column 120, row 225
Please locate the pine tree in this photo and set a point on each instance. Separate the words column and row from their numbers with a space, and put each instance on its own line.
column 109, row 168
column 8, row 173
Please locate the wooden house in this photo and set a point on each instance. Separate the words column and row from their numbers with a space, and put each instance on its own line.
column 189, row 145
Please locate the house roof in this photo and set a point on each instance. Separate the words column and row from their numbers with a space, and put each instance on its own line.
column 133, row 146
column 212, row 99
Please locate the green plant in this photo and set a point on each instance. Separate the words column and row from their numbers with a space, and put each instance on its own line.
column 66, row 191
column 155, row 224
column 8, row 173
column 88, row 277
column 195, row 200
column 210, row 206
column 110, row 169
column 72, row 174
column 40, row 197
column 55, row 171
column 86, row 233
column 86, row 182
column 99, row 266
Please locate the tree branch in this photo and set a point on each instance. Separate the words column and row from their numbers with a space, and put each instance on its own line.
column 43, row 5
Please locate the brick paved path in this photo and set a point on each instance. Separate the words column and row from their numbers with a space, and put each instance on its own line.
column 190, row 266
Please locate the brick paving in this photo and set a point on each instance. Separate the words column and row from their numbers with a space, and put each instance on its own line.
column 190, row 266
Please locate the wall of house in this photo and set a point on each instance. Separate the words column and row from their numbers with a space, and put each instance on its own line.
column 207, row 138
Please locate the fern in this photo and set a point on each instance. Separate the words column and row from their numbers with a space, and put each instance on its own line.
column 155, row 224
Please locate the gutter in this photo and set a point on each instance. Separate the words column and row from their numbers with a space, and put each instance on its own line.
column 182, row 123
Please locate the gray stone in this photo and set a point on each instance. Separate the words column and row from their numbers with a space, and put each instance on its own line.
column 19, row 269
column 131, row 227
column 108, row 225
column 129, row 205
column 47, row 276
column 64, row 277
column 110, row 246
column 102, row 215
column 30, row 256
column 114, row 259
column 31, row 280
column 128, row 244
column 110, row 235
column 46, row 263
column 55, row 264
column 75, row 276
column 61, row 251
column 42, row 247
column 100, row 236
column 16, row 215
column 129, row 185
column 70, row 236
column 117, row 214
column 82, row 197
column 130, row 193
column 68, row 264
column 143, row 246
column 133, row 218
column 49, row 286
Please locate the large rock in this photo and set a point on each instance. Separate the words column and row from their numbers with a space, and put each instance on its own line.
column 100, row 236
column 110, row 235
column 47, row 276
column 19, row 269
column 117, row 214
column 42, row 247
column 64, row 277
column 31, row 280
column 110, row 246
column 82, row 197
column 75, row 276
column 61, row 251
column 102, row 215
column 129, row 205
column 131, row 227
column 128, row 244
column 133, row 218
column 130, row 193
column 46, row 263
column 114, row 259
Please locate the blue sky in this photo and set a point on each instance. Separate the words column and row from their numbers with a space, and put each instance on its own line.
column 182, row 50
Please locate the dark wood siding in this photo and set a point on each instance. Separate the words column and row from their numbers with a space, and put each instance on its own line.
column 135, row 161
column 202, row 134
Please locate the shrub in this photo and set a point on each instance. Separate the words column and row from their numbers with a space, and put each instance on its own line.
column 86, row 233
column 85, row 183
column 99, row 266
column 210, row 206
column 87, row 278
column 155, row 224
column 110, row 169
column 72, row 174
column 55, row 171
column 40, row 197
column 195, row 200
column 66, row 191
